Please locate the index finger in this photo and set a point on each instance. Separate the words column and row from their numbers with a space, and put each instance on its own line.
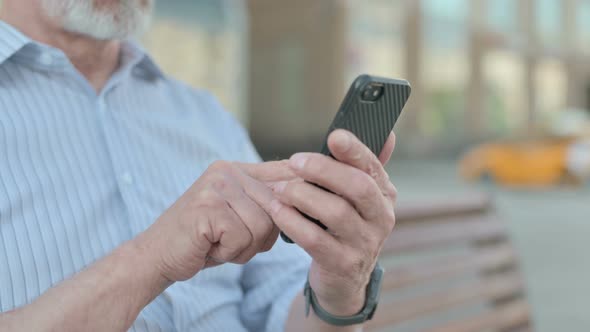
column 270, row 171
column 262, row 196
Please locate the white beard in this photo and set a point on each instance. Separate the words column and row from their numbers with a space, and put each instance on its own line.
column 127, row 18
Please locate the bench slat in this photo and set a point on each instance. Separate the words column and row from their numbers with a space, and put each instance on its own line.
column 526, row 328
column 442, row 232
column 473, row 204
column 455, row 257
column 448, row 266
column 512, row 315
column 488, row 289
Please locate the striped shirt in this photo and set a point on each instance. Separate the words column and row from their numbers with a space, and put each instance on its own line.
column 81, row 172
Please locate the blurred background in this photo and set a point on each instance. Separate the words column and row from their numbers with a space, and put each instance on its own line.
column 480, row 69
column 501, row 93
column 500, row 104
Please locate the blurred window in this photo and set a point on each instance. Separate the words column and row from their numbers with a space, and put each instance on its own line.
column 203, row 44
column 502, row 16
column 291, row 78
column 445, row 69
column 448, row 10
column 551, row 87
column 446, row 23
column 548, row 21
column 583, row 25
column 375, row 44
column 505, row 94
column 445, row 74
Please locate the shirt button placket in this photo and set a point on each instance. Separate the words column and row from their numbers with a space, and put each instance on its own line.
column 126, row 178
column 46, row 59
column 101, row 105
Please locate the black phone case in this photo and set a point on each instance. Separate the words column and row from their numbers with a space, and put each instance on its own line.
column 370, row 121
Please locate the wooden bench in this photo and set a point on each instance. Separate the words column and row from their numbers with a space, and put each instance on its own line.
column 450, row 267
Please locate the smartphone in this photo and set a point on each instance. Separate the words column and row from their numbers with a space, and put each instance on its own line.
column 369, row 110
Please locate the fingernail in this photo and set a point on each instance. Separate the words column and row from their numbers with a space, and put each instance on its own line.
column 343, row 140
column 298, row 160
column 279, row 187
column 275, row 206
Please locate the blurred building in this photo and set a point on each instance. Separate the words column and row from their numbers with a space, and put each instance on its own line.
column 479, row 68
column 205, row 44
column 298, row 68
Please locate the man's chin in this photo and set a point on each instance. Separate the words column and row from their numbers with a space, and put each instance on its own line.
column 106, row 31
column 127, row 19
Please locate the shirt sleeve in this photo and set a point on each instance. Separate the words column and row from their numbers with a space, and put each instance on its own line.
column 271, row 280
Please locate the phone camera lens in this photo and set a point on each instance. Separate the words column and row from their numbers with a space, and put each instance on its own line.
column 372, row 92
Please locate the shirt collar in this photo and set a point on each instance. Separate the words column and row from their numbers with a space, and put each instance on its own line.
column 145, row 64
column 11, row 41
column 14, row 43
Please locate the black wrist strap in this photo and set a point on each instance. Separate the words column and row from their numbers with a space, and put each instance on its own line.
column 372, row 298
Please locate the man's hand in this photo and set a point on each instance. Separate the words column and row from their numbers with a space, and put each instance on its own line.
column 220, row 219
column 359, row 214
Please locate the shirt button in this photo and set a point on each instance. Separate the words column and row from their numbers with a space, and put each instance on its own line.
column 101, row 104
column 126, row 178
column 46, row 59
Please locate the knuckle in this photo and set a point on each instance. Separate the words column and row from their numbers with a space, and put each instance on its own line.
column 243, row 259
column 209, row 198
column 218, row 182
column 373, row 170
column 261, row 234
column 240, row 251
column 388, row 221
column 220, row 165
column 278, row 211
column 391, row 224
column 270, row 240
column 290, row 189
column 246, row 239
column 312, row 242
column 266, row 248
column 341, row 210
column 284, row 164
column 390, row 216
column 391, row 220
column 224, row 184
column 391, row 192
column 374, row 247
column 296, row 192
column 224, row 168
column 363, row 184
column 365, row 236
column 371, row 243
column 202, row 230
column 316, row 164
column 267, row 226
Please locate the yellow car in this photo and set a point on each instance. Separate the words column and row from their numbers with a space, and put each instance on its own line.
column 536, row 162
